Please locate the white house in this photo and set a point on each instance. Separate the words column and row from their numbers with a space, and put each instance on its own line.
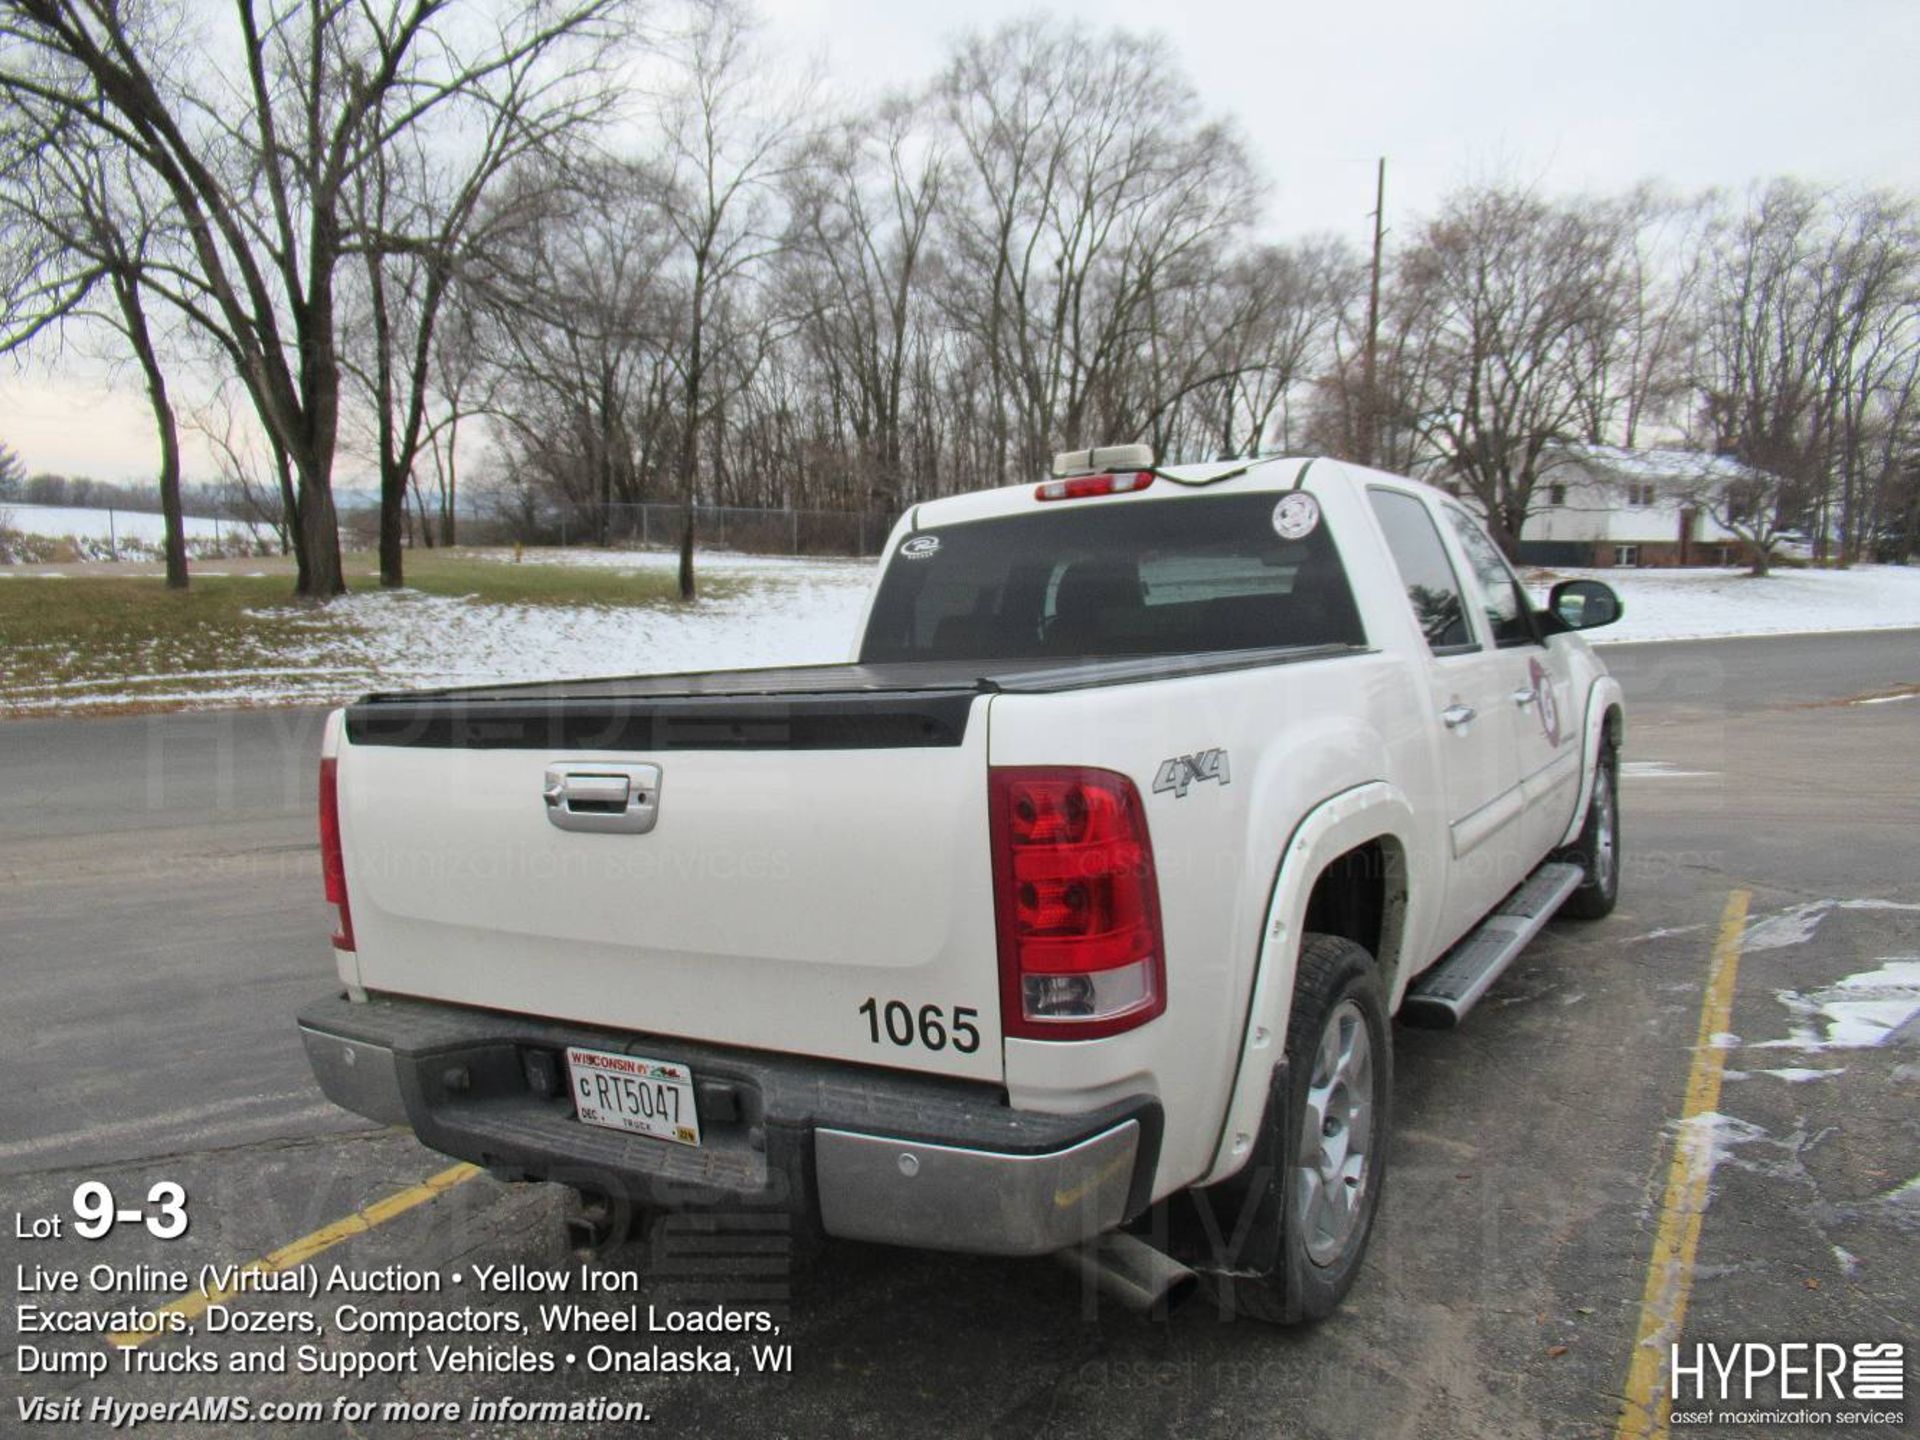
column 1602, row 505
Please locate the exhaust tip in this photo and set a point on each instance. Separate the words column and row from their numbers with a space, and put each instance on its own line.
column 1127, row 1269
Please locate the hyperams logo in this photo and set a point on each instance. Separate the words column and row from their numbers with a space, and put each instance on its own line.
column 1778, row 1383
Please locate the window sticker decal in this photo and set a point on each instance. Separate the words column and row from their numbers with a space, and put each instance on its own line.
column 1296, row 516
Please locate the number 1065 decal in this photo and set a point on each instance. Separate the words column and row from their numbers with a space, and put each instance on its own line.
column 931, row 1027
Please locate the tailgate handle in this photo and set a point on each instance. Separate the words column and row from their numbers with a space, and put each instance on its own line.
column 598, row 795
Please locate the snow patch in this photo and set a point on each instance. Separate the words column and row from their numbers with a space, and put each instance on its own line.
column 1661, row 770
column 801, row 613
column 1905, row 1196
column 1663, row 933
column 1799, row 1074
column 1709, row 1139
column 1856, row 1012
column 1793, row 926
column 1696, row 604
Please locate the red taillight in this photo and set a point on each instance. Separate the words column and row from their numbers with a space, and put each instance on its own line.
column 333, row 865
column 1082, row 487
column 1078, row 907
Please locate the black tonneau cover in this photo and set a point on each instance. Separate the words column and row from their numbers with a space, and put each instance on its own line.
column 796, row 707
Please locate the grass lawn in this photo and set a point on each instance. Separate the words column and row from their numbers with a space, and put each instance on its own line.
column 456, row 572
column 65, row 637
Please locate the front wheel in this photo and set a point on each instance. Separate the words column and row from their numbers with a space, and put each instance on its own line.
column 1317, row 1173
column 1597, row 851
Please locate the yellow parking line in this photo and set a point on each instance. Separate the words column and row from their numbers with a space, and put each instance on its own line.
column 1663, row 1304
column 194, row 1305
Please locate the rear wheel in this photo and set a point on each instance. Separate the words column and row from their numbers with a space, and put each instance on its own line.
column 1597, row 851
column 1315, row 1177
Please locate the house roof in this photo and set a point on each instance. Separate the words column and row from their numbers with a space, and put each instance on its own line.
column 1659, row 464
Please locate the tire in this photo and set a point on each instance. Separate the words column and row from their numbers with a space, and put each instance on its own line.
column 1301, row 1246
column 1597, row 851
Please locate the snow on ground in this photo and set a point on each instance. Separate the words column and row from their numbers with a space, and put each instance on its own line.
column 792, row 612
column 1697, row 604
column 1660, row 604
column 61, row 522
column 797, row 611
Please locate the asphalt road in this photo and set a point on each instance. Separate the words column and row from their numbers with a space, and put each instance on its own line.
column 162, row 923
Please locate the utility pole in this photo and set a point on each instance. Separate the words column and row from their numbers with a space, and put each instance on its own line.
column 1368, row 419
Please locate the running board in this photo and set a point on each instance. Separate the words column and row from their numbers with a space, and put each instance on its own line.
column 1441, row 998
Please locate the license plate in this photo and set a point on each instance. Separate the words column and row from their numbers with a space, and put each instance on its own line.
column 634, row 1094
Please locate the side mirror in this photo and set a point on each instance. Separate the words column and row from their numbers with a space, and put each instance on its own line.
column 1584, row 604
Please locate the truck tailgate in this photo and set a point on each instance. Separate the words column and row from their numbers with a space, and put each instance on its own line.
column 814, row 847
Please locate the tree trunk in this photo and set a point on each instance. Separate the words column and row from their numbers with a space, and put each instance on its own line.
column 690, row 435
column 393, row 513
column 318, row 429
column 687, row 587
column 290, row 516
column 318, row 544
column 126, row 289
column 169, row 482
column 449, row 497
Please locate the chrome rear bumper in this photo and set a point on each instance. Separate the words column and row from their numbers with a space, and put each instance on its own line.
column 862, row 1152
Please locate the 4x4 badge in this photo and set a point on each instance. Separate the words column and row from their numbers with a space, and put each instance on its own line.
column 1182, row 770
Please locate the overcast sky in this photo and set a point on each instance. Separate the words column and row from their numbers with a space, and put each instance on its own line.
column 1563, row 94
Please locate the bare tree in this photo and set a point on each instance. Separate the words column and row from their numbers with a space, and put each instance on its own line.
column 416, row 208
column 1636, row 374
column 255, row 477
column 1499, row 300
column 863, row 218
column 1757, row 360
column 1753, row 504
column 1094, row 194
column 1269, row 321
column 731, row 133
column 462, row 389
column 78, row 233
column 256, row 135
column 574, row 319
column 1870, row 358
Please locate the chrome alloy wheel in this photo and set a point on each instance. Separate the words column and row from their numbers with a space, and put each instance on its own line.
column 1336, row 1136
column 1606, row 852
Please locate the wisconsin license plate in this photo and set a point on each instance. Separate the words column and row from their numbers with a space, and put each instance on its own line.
column 634, row 1094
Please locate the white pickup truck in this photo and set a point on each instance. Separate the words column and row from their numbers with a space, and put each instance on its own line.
column 1093, row 882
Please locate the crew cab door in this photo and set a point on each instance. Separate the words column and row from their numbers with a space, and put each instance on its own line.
column 1540, row 709
column 1538, row 713
column 1478, row 773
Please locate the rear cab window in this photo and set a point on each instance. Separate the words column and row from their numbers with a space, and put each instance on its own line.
column 1140, row 577
column 1509, row 613
column 1433, row 589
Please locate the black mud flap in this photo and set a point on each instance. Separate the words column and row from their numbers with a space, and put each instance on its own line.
column 1238, row 1227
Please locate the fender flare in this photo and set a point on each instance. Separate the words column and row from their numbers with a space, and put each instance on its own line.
column 1605, row 697
column 1333, row 827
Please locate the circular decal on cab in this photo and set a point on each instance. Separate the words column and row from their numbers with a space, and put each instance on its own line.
column 921, row 547
column 1296, row 516
column 1542, row 684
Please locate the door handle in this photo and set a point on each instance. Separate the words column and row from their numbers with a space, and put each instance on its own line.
column 602, row 796
column 1458, row 717
column 1526, row 697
